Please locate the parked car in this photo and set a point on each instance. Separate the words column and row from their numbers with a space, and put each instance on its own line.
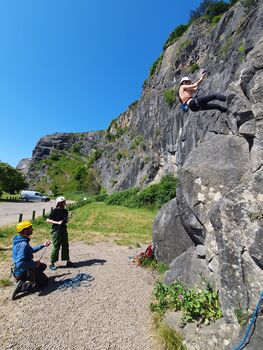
column 33, row 196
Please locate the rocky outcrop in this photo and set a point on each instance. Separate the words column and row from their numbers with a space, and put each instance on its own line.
column 23, row 165
column 169, row 235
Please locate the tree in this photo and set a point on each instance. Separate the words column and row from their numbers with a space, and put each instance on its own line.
column 210, row 8
column 11, row 180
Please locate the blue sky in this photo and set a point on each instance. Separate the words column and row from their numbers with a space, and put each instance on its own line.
column 73, row 66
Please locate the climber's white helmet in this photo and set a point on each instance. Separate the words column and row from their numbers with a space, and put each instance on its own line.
column 184, row 79
column 60, row 199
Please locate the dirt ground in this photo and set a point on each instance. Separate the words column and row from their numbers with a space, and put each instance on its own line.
column 112, row 312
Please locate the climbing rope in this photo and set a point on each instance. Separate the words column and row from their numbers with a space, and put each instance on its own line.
column 253, row 319
column 75, row 282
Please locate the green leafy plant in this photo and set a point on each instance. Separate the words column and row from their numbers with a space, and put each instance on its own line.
column 197, row 305
column 76, row 147
column 176, row 34
column 169, row 96
column 209, row 8
column 96, row 154
column 137, row 141
column 187, row 43
column 194, row 67
column 5, row 282
column 242, row 316
column 156, row 66
column 152, row 196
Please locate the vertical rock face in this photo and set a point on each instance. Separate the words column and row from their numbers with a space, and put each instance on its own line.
column 220, row 196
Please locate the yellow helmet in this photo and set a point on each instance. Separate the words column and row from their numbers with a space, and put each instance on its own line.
column 22, row 225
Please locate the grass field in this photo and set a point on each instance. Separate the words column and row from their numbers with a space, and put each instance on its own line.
column 94, row 222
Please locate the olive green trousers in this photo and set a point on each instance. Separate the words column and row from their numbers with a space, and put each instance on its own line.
column 59, row 239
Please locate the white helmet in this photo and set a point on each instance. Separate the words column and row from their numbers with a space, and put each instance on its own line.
column 185, row 79
column 60, row 199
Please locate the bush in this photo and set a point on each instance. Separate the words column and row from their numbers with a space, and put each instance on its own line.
column 76, row 147
column 159, row 194
column 154, row 195
column 97, row 153
column 156, row 65
column 194, row 67
column 176, row 33
column 209, row 8
column 120, row 198
column 102, row 196
column 169, row 96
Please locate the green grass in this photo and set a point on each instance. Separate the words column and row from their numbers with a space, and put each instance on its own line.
column 169, row 338
column 94, row 222
column 5, row 282
column 98, row 221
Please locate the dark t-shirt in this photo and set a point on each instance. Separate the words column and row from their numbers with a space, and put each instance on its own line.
column 59, row 214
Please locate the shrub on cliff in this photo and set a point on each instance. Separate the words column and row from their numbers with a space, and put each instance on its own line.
column 209, row 8
column 169, row 96
column 176, row 33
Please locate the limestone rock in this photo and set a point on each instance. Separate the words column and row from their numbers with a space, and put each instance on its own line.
column 188, row 269
column 169, row 235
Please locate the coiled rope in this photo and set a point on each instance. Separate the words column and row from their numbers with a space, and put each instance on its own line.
column 75, row 282
column 253, row 319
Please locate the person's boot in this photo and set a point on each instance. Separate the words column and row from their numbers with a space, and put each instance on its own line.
column 70, row 264
column 18, row 289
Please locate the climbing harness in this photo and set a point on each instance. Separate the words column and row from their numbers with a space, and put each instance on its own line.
column 75, row 282
column 185, row 106
column 253, row 319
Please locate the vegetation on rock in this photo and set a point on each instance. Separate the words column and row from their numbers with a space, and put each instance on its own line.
column 197, row 305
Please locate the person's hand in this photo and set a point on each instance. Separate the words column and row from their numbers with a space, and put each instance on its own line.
column 60, row 222
column 46, row 244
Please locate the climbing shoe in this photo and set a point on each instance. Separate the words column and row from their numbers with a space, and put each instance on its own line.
column 70, row 264
column 52, row 267
column 18, row 289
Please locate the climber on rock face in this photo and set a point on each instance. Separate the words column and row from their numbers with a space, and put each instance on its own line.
column 201, row 103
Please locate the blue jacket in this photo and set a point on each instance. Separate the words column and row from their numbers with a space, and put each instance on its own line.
column 22, row 254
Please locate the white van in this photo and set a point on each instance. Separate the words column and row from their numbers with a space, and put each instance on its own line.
column 33, row 196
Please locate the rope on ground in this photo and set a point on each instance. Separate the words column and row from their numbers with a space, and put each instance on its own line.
column 253, row 320
column 75, row 282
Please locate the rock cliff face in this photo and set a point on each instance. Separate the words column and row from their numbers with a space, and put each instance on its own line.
column 218, row 158
column 219, row 200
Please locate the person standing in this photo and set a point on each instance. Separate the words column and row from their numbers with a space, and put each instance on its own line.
column 25, row 268
column 58, row 218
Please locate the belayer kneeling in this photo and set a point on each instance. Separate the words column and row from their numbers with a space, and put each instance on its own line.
column 28, row 273
column 198, row 103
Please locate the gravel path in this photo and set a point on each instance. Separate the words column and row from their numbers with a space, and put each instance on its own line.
column 111, row 313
